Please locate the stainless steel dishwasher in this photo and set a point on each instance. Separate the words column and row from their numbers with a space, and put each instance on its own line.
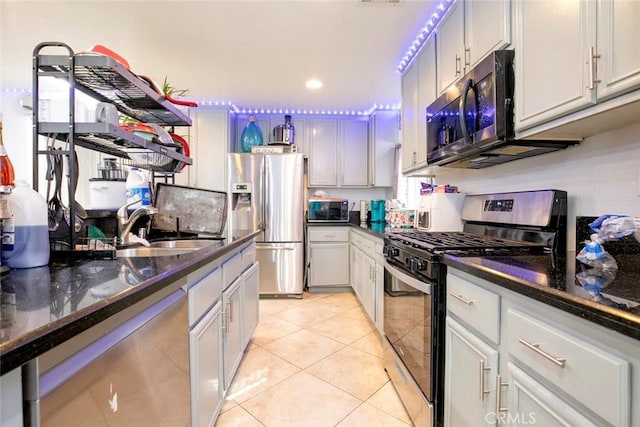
column 137, row 374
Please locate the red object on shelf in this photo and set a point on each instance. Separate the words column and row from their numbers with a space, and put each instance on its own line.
column 7, row 174
column 98, row 48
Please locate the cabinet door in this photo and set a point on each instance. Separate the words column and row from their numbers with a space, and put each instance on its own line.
column 409, row 116
column 450, row 46
column 470, row 367
column 487, row 28
column 205, row 347
column 232, row 338
column 552, row 58
column 529, row 402
column 329, row 264
column 384, row 136
column 323, row 152
column 250, row 302
column 427, row 93
column 368, row 287
column 11, row 402
column 209, row 148
column 619, row 63
column 353, row 152
column 379, row 297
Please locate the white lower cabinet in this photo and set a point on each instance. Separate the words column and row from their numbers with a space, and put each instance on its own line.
column 367, row 278
column 223, row 314
column 469, row 392
column 205, row 345
column 11, row 399
column 531, row 403
column 232, row 341
column 532, row 363
column 328, row 256
column 250, row 306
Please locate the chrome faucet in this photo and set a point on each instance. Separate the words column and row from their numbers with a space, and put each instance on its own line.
column 125, row 222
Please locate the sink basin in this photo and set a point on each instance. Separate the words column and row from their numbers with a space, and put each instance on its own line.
column 167, row 248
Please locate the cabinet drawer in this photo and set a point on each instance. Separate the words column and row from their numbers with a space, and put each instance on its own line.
column 329, row 235
column 248, row 256
column 204, row 294
column 231, row 269
column 591, row 375
column 475, row 306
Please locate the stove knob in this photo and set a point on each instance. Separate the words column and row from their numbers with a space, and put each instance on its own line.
column 391, row 251
column 420, row 265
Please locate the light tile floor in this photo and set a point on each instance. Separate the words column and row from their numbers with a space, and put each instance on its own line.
column 313, row 362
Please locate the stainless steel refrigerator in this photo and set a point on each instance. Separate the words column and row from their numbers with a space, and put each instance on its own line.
column 267, row 192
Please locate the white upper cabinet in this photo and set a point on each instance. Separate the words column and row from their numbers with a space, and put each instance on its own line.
column 418, row 91
column 427, row 93
column 468, row 32
column 384, row 135
column 487, row 28
column 323, row 152
column 450, row 46
column 552, row 58
column 409, row 116
column 354, row 153
column 573, row 54
column 618, row 47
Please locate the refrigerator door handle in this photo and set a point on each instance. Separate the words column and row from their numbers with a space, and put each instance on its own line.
column 274, row 248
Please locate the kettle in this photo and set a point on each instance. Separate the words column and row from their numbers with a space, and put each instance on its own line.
column 284, row 133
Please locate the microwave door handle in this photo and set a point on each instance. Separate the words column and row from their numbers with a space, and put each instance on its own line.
column 463, row 110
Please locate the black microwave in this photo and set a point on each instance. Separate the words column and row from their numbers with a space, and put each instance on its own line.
column 328, row 210
column 472, row 124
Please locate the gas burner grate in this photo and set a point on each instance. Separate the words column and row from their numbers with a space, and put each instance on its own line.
column 455, row 241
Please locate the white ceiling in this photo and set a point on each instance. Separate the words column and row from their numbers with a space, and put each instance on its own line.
column 253, row 53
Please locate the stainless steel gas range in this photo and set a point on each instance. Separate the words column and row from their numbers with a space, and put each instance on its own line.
column 415, row 286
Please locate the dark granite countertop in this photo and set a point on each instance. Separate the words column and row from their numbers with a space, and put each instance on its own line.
column 44, row 306
column 613, row 302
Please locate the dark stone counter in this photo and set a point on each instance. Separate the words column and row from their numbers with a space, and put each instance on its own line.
column 567, row 284
column 45, row 306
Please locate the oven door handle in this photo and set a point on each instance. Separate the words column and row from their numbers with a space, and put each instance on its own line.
column 423, row 287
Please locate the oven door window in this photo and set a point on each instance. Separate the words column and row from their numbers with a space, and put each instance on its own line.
column 408, row 327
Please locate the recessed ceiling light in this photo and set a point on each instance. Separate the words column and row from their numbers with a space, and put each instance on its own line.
column 313, row 84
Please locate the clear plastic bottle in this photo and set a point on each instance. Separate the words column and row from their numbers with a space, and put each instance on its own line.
column 137, row 186
column 251, row 135
column 26, row 233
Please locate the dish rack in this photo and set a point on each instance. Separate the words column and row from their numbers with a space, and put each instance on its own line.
column 106, row 80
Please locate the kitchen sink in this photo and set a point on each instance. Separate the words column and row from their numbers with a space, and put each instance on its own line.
column 167, row 248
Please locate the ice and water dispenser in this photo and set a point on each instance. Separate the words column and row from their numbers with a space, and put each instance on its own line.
column 241, row 206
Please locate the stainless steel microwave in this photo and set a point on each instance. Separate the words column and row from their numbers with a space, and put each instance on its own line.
column 328, row 210
column 472, row 124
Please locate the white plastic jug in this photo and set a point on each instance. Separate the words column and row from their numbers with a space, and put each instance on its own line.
column 26, row 233
column 138, row 188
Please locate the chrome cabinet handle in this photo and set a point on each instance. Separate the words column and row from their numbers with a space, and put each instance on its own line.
column 560, row 361
column 461, row 298
column 500, row 384
column 592, row 66
column 467, row 54
column 483, row 369
column 458, row 60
